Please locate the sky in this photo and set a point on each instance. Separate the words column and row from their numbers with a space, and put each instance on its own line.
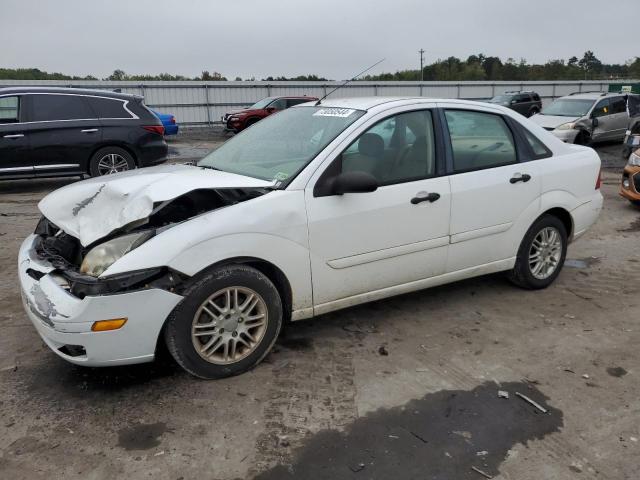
column 330, row 38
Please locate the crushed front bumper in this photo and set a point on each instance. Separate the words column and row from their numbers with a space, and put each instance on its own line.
column 64, row 321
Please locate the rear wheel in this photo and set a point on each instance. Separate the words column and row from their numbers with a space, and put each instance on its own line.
column 534, row 111
column 541, row 254
column 227, row 323
column 110, row 160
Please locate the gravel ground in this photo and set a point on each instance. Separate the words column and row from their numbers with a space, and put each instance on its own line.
column 402, row 388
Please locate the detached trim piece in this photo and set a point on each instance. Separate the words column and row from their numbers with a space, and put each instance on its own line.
column 377, row 255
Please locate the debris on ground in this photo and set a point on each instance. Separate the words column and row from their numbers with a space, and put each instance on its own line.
column 568, row 370
column 483, row 453
column 585, row 376
column 484, row 474
column 532, row 402
column 503, row 394
column 383, row 351
column 356, row 468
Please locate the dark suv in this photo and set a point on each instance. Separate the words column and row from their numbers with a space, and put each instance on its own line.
column 525, row 103
column 47, row 132
column 241, row 119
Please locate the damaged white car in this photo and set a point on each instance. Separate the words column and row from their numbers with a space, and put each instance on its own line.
column 317, row 208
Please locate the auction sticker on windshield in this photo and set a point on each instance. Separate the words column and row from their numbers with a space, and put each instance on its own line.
column 334, row 112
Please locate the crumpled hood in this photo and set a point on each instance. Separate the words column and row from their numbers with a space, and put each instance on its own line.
column 551, row 121
column 93, row 208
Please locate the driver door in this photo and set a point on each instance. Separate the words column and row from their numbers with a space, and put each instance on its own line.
column 366, row 242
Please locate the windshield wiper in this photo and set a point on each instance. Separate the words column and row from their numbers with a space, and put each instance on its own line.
column 210, row 167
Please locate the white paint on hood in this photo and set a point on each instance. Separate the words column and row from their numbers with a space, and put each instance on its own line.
column 93, row 208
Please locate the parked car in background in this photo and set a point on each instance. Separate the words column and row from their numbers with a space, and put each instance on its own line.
column 630, row 186
column 241, row 119
column 312, row 210
column 584, row 118
column 46, row 132
column 168, row 122
column 526, row 103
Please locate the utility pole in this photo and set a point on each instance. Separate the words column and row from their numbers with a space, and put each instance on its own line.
column 421, row 51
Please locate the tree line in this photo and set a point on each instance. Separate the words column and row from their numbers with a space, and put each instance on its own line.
column 475, row 67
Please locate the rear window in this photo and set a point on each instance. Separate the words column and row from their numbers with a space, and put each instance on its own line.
column 108, row 107
column 59, row 107
column 9, row 109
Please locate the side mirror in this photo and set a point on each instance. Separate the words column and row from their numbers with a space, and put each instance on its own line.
column 513, row 102
column 271, row 109
column 594, row 122
column 354, row 182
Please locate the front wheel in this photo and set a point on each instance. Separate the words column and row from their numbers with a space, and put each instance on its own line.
column 226, row 324
column 583, row 138
column 541, row 254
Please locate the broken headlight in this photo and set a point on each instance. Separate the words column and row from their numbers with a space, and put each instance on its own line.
column 104, row 255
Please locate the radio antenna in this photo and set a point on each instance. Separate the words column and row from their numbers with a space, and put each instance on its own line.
column 349, row 81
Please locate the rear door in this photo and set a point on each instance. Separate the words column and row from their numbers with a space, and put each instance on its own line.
column 14, row 143
column 523, row 103
column 490, row 188
column 63, row 132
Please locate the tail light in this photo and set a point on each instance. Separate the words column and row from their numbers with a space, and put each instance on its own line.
column 173, row 120
column 599, row 180
column 159, row 129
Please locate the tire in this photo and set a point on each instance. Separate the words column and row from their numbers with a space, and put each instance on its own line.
column 206, row 310
column 533, row 111
column 110, row 160
column 635, row 203
column 583, row 138
column 524, row 272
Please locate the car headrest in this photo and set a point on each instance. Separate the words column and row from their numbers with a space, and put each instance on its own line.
column 371, row 145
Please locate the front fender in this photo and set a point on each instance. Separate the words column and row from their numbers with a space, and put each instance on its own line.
column 288, row 256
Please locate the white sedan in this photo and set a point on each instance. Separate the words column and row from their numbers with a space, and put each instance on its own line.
column 317, row 208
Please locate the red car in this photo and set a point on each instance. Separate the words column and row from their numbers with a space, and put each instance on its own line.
column 237, row 121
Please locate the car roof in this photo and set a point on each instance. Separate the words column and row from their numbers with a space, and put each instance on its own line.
column 367, row 103
column 592, row 95
column 76, row 91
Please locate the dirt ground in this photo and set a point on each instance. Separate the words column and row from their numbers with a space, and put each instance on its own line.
column 404, row 388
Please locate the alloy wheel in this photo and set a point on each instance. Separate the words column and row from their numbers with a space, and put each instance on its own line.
column 545, row 253
column 112, row 163
column 229, row 325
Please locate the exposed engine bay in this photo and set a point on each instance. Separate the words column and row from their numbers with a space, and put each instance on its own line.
column 66, row 253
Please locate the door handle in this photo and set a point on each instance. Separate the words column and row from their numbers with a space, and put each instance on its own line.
column 520, row 177
column 425, row 197
column 89, row 130
column 14, row 135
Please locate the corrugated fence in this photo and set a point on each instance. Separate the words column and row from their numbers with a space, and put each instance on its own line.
column 204, row 103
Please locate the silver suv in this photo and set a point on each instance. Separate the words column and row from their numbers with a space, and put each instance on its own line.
column 584, row 118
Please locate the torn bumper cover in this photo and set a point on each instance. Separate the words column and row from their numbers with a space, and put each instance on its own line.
column 64, row 321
